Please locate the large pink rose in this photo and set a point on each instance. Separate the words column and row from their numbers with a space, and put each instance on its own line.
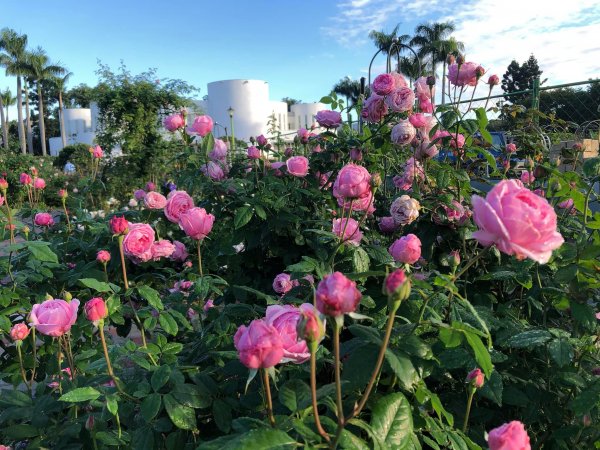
column 328, row 118
column 401, row 99
column 403, row 133
column 297, row 166
column 353, row 181
column 259, row 345
column 196, row 223
column 510, row 436
column 465, row 75
column 347, row 230
column 285, row 320
column 202, row 126
column 154, row 200
column 219, row 151
column 337, row 295
column 516, row 220
column 174, row 122
column 137, row 244
column 54, row 317
column 418, row 120
column 399, row 80
column 456, row 140
column 363, row 203
column 374, row 108
column 162, row 249
column 384, row 84
column 178, row 202
column 406, row 250
column 213, row 170
column 43, row 220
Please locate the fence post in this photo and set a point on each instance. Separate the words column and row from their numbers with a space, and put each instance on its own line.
column 535, row 101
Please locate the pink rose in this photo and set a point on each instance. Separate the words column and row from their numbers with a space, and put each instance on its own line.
column 25, row 179
column 150, row 186
column 511, row 148
column 516, row 220
column 97, row 152
column 566, row 204
column 174, row 122
column 219, row 151
column 310, row 327
column 384, row 84
column 154, row 200
column 43, row 220
column 364, row 203
column 405, row 210
column 283, row 283
column 253, row 152
column 387, row 225
column 139, row 194
column 39, row 183
column 456, row 140
column 328, row 118
column 422, row 88
column 403, row 133
column 395, row 283
column 527, row 177
column 261, row 140
column 213, row 170
column 137, row 244
column 103, row 256
column 118, row 225
column 178, row 202
column 418, row 120
column 196, row 223
column 476, row 378
column 259, row 345
column 493, row 80
column 337, row 295
column 347, row 230
column 426, row 150
column 401, row 99
column 303, row 135
column 425, row 104
column 202, row 126
column 95, row 310
column 510, row 436
column 463, row 75
column 210, row 303
column 374, row 108
column 297, row 166
column 54, row 317
column 276, row 167
column 352, row 181
column 284, row 318
column 162, row 249
column 356, row 154
column 19, row 331
column 180, row 252
column 406, row 250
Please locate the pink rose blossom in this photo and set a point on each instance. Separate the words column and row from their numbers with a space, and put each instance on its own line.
column 210, row 303
column 150, row 186
column 406, row 250
column 363, row 203
column 297, row 166
column 19, row 331
column 418, row 120
column 476, row 378
column 118, row 225
column 493, row 80
column 54, row 317
column 356, row 154
column 95, row 310
column 253, row 152
column 511, row 148
column 97, row 152
column 387, row 225
column 510, row 436
column 178, row 202
column 43, row 220
column 283, row 283
column 403, row 133
column 259, row 345
column 213, row 170
column 137, row 244
column 395, row 281
column 284, row 318
column 347, row 230
column 39, row 183
column 303, row 135
column 399, row 80
column 196, row 223
column 261, row 140
column 374, row 108
column 162, row 249
column 202, row 126
column 276, row 167
column 154, row 200
column 139, row 194
column 174, row 122
column 328, row 118
column 401, row 99
column 404, row 210
column 352, row 181
column 219, row 151
column 103, row 256
column 384, row 84
column 337, row 295
column 422, row 88
column 566, row 204
column 517, row 221
column 527, row 177
column 426, row 150
column 25, row 179
column 180, row 252
column 463, row 75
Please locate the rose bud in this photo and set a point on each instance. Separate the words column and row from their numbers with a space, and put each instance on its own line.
column 3, row 184
column 460, row 60
column 493, row 80
column 479, row 71
column 376, row 180
column 311, row 327
column 450, row 60
column 19, row 332
column 430, row 80
column 95, row 310
column 62, row 194
column 475, row 378
column 119, row 225
column 454, row 259
column 103, row 256
column 89, row 423
column 397, row 288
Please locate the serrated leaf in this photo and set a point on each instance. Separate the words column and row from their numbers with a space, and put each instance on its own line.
column 150, row 406
column 492, row 389
column 182, row 416
column 41, row 252
column 82, row 394
column 392, row 420
column 160, row 377
column 98, row 286
column 168, row 323
column 561, row 351
column 151, row 296
column 295, row 395
column 242, row 216
column 360, row 260
column 529, row 339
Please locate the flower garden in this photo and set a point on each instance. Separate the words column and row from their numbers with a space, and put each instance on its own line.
column 352, row 290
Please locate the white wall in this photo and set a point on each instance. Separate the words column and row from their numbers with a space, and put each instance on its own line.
column 302, row 114
column 281, row 114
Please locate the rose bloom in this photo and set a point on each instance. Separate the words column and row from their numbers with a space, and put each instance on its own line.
column 384, row 84
column 284, row 318
column 356, row 154
column 457, row 214
column 95, row 310
column 162, row 249
column 352, row 181
column 3, row 184
column 456, row 140
column 510, row 436
column 283, row 283
column 103, row 256
column 19, row 331
column 25, row 179
column 259, row 345
column 180, row 252
column 422, row 88
column 517, row 221
column 154, row 200
column 364, row 203
column 493, row 80
column 406, row 250
column 178, row 202
column 425, row 104
column 174, row 122
column 566, row 204
column 387, row 225
column 54, row 317
column 43, row 220
column 253, row 152
column 404, row 210
column 276, row 167
column 210, row 303
column 137, row 244
column 261, row 140
column 463, row 75
column 403, row 133
column 150, row 186
column 202, row 126
column 139, row 194
column 374, row 108
column 476, row 378
column 399, row 80
column 118, row 225
column 418, row 120
column 297, row 166
column 426, row 150
column 219, row 151
column 347, row 230
column 337, row 295
column 39, row 183
column 394, row 281
column 196, row 223
column 328, row 118
column 213, row 170
column 511, row 148
column 401, row 99
column 527, row 177
column 303, row 135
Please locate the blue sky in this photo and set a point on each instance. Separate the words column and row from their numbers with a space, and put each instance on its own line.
column 300, row 47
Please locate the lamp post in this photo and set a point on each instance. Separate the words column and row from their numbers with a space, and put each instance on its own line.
column 231, row 111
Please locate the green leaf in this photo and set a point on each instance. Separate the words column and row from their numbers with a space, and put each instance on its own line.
column 191, row 395
column 451, row 337
column 242, row 216
column 257, row 439
column 11, row 397
column 529, row 339
column 392, row 420
column 482, row 356
column 112, row 404
column 151, row 296
column 160, row 377
column 326, row 99
column 182, row 416
column 20, row 431
column 168, row 323
column 222, row 415
column 98, row 286
column 360, row 260
column 402, row 367
column 80, row 395
column 295, row 395
column 587, row 399
column 561, row 351
column 492, row 389
column 41, row 252
column 150, row 406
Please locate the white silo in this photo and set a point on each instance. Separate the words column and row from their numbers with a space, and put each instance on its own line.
column 303, row 114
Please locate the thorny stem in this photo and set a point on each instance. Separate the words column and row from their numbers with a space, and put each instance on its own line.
column 338, row 383
column 313, row 389
column 109, row 368
column 23, row 375
column 269, row 401
column 200, row 258
column 123, row 268
column 468, row 412
column 33, row 341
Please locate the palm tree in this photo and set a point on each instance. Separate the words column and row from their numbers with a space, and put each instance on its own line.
column 383, row 41
column 60, row 83
column 9, row 100
column 348, row 88
column 411, row 67
column 38, row 68
column 6, row 100
column 448, row 47
column 12, row 55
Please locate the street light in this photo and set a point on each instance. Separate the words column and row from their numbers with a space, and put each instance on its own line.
column 231, row 111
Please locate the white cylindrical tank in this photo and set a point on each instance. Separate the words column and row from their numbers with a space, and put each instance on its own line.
column 304, row 114
column 77, row 120
column 279, row 110
column 250, row 102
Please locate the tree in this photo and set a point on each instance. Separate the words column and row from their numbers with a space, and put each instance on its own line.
column 6, row 100
column 79, row 96
column 411, row 67
column 60, row 83
column 12, row 58
column 383, row 41
column 39, row 69
column 348, row 88
column 520, row 78
column 290, row 101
